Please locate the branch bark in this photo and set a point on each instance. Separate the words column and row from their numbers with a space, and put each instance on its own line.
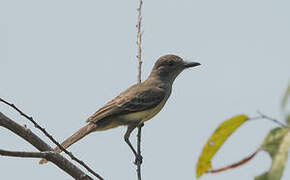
column 23, row 154
column 39, row 144
column 139, row 174
column 139, row 52
column 139, row 40
column 52, row 139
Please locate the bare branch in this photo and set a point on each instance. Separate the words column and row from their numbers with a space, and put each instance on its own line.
column 39, row 144
column 52, row 139
column 43, row 154
column 139, row 150
column 263, row 116
column 139, row 52
column 139, row 39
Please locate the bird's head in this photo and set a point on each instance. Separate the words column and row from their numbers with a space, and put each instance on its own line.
column 168, row 67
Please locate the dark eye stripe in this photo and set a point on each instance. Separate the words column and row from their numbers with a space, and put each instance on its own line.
column 171, row 63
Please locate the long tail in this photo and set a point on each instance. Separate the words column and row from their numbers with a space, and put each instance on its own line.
column 74, row 138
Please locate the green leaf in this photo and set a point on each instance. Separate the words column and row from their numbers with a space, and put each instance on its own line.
column 216, row 140
column 277, row 144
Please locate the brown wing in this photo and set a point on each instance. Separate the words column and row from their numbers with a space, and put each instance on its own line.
column 137, row 98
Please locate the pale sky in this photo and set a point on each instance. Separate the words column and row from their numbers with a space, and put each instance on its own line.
column 62, row 60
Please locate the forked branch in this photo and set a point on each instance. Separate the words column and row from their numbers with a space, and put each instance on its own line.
column 51, row 138
column 46, row 150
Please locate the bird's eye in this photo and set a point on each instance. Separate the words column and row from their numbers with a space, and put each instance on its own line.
column 170, row 63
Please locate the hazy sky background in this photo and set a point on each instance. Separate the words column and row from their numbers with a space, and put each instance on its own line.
column 62, row 60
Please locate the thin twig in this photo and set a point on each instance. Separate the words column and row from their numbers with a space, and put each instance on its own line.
column 263, row 116
column 139, row 51
column 42, row 146
column 139, row 150
column 139, row 39
column 36, row 125
column 239, row 163
column 42, row 154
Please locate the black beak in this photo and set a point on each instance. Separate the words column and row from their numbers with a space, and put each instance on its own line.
column 191, row 64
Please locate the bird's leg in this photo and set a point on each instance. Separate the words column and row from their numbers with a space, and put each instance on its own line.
column 139, row 144
column 138, row 158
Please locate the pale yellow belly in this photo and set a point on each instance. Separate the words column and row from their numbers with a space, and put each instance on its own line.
column 146, row 115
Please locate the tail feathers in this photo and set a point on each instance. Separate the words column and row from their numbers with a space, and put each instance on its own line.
column 74, row 138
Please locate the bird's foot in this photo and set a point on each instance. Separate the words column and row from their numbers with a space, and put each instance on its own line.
column 138, row 160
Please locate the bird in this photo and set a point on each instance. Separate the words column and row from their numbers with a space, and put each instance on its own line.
column 136, row 105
